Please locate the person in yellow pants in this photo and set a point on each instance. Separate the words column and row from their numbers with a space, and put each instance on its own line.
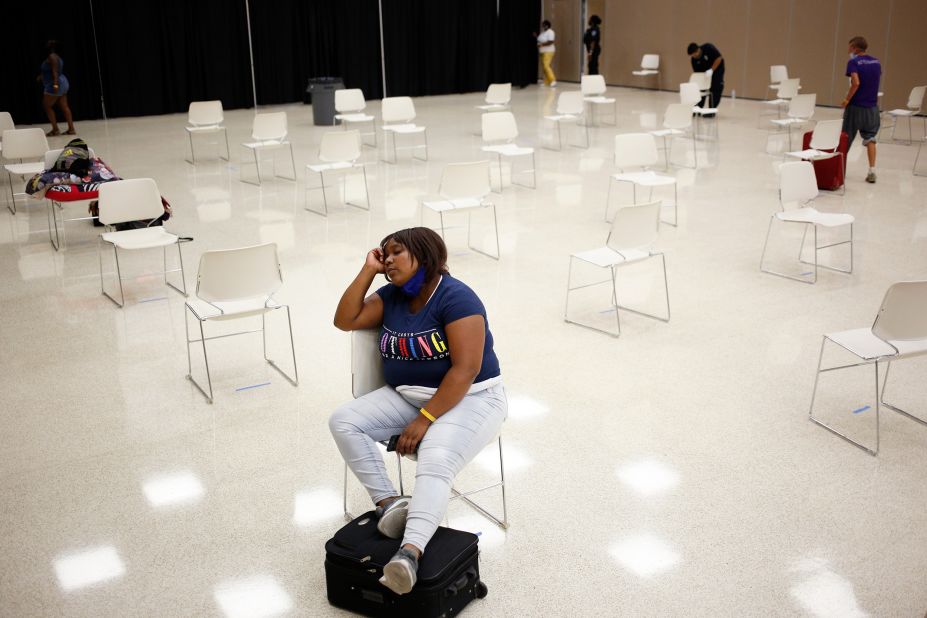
column 547, row 49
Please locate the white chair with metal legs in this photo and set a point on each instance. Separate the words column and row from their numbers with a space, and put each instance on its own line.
column 690, row 94
column 499, row 132
column 917, row 157
column 339, row 152
column 778, row 73
column 570, row 108
column 6, row 124
column 650, row 66
column 23, row 144
column 676, row 121
column 350, row 105
column 233, row 284
column 398, row 114
column 464, row 188
column 825, row 141
column 498, row 98
column 593, row 88
column 914, row 106
column 703, row 81
column 787, row 90
column 797, row 188
column 633, row 233
column 638, row 151
column 56, row 206
column 205, row 117
column 898, row 333
column 269, row 132
column 138, row 199
column 366, row 377
column 801, row 109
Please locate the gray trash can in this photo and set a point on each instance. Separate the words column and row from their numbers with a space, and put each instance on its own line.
column 321, row 93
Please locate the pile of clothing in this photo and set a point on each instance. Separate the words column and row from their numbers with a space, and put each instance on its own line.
column 77, row 175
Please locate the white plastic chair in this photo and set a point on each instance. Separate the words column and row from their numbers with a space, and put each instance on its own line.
column 498, row 98
column 778, row 73
column 137, row 199
column 899, row 332
column 366, row 377
column 570, row 108
column 785, row 92
column 593, row 88
column 914, row 106
column 801, row 109
column 690, row 94
column 464, row 187
column 6, row 124
column 797, row 188
column 205, row 117
column 350, row 105
column 676, row 121
column 825, row 140
column 339, row 151
column 56, row 207
column 233, row 284
column 269, row 132
column 917, row 158
column 650, row 65
column 23, row 144
column 634, row 231
column 499, row 134
column 703, row 81
column 398, row 114
column 638, row 151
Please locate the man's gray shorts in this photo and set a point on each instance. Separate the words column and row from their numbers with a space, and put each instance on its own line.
column 862, row 119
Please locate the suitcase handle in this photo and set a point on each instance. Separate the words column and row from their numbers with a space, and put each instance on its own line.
column 461, row 584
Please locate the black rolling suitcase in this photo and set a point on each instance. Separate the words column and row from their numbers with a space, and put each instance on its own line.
column 448, row 573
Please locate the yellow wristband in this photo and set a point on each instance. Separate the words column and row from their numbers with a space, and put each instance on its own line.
column 427, row 415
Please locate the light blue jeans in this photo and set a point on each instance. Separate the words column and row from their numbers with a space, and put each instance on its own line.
column 450, row 443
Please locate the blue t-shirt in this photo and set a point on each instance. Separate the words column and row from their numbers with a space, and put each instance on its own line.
column 870, row 72
column 414, row 346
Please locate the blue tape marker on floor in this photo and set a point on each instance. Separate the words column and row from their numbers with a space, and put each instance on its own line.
column 480, row 533
column 244, row 388
column 810, row 272
column 151, row 300
column 859, row 410
column 607, row 310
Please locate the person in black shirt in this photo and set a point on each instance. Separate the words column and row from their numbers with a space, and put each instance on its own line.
column 706, row 58
column 591, row 41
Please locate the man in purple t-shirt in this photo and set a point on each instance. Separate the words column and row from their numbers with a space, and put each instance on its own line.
column 861, row 104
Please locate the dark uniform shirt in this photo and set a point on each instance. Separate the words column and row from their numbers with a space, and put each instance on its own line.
column 710, row 53
column 591, row 39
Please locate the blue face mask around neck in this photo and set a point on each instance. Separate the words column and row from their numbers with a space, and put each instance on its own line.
column 413, row 286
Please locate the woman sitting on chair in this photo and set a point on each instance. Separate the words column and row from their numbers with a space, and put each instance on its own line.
column 444, row 392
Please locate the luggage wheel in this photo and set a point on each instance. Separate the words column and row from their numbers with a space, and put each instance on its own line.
column 481, row 590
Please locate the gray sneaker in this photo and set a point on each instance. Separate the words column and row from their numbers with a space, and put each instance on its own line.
column 871, row 177
column 401, row 573
column 392, row 517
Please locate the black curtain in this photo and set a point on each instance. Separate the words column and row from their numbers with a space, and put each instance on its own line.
column 22, row 48
column 438, row 47
column 516, row 58
column 295, row 40
column 157, row 57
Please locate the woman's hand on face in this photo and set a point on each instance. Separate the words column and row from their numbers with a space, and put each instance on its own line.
column 412, row 435
column 375, row 259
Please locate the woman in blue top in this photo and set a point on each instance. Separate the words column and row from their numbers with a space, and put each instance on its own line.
column 444, row 396
column 55, row 89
